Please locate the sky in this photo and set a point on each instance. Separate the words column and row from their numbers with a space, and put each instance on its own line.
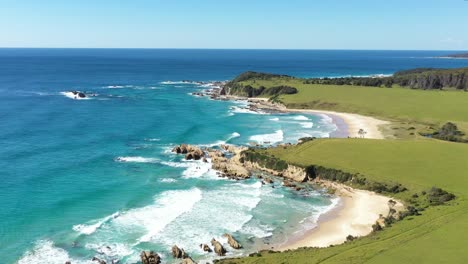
column 237, row 24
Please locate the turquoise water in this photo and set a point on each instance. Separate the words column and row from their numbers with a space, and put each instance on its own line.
column 84, row 178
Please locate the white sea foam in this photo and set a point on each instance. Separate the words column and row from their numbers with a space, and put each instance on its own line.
column 177, row 82
column 307, row 124
column 224, row 209
column 154, row 218
column 137, row 159
column 168, row 180
column 274, row 119
column 243, row 110
column 88, row 229
column 114, row 86
column 152, row 139
column 276, row 137
column 73, row 96
column 44, row 252
column 112, row 250
column 301, row 118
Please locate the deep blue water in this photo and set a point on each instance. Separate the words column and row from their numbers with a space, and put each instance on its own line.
column 65, row 194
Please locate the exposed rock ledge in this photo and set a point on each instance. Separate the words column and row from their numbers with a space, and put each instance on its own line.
column 293, row 173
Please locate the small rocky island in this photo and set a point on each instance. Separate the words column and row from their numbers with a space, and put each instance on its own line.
column 457, row 56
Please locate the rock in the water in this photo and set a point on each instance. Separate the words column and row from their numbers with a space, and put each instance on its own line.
column 178, row 252
column 205, row 248
column 218, row 248
column 67, row 262
column 191, row 152
column 232, row 242
column 100, row 261
column 149, row 257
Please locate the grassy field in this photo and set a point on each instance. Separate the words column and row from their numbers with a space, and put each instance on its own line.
column 401, row 104
column 436, row 236
column 418, row 163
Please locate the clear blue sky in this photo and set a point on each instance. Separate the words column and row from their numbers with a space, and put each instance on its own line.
column 288, row 24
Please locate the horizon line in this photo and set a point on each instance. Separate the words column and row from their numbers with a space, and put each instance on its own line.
column 286, row 49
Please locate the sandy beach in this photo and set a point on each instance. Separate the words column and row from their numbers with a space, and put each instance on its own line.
column 357, row 212
column 354, row 122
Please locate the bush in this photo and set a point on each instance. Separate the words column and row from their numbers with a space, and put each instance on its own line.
column 437, row 196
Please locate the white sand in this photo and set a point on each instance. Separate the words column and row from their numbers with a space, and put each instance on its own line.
column 358, row 211
column 354, row 122
column 371, row 126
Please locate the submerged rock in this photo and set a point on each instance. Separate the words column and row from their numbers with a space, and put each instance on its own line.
column 191, row 152
column 205, row 248
column 232, row 241
column 178, row 252
column 100, row 261
column 218, row 248
column 149, row 257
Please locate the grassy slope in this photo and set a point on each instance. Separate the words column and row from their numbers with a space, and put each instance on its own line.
column 435, row 107
column 437, row 236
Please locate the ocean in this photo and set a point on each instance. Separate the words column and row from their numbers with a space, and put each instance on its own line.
column 96, row 177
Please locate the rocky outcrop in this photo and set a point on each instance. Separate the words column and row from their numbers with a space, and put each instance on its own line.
column 100, row 261
column 229, row 167
column 178, row 252
column 218, row 248
column 232, row 241
column 206, row 248
column 191, row 152
column 149, row 257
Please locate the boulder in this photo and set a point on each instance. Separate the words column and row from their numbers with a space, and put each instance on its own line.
column 218, row 248
column 232, row 241
column 67, row 262
column 205, row 248
column 149, row 257
column 178, row 252
column 100, row 261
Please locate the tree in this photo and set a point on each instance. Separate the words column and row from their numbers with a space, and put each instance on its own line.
column 362, row 133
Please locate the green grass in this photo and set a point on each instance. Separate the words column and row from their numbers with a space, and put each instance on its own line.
column 436, row 236
column 439, row 234
column 403, row 104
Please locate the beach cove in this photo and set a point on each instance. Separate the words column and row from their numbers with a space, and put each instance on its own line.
column 96, row 177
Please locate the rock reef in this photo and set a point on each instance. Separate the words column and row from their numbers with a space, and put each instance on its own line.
column 149, row 257
column 218, row 248
column 232, row 241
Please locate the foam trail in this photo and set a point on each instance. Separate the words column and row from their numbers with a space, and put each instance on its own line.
column 73, row 96
column 136, row 159
column 91, row 228
column 274, row 119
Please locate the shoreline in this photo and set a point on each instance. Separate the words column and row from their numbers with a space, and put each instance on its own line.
column 354, row 215
column 357, row 210
column 349, row 122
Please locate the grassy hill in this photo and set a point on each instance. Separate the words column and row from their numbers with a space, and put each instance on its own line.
column 407, row 107
column 439, row 233
column 436, row 236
